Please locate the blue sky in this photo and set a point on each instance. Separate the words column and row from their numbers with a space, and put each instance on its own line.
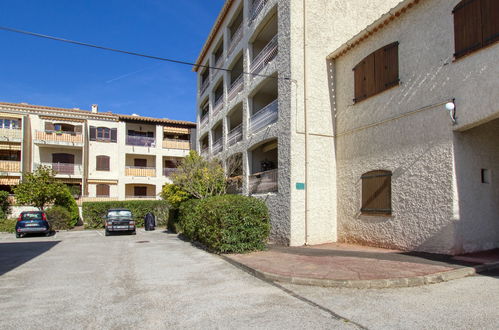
column 45, row 72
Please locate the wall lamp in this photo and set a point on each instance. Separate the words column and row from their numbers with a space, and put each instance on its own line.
column 451, row 107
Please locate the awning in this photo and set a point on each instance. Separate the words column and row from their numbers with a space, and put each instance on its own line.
column 11, row 115
column 68, row 180
column 9, row 180
column 8, row 146
column 176, row 130
column 103, row 181
column 58, row 119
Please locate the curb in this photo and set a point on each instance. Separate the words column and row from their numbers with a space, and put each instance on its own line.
column 404, row 282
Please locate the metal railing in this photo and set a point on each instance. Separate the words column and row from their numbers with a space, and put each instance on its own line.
column 65, row 168
column 265, row 117
column 168, row 171
column 204, row 120
column 140, row 141
column 263, row 182
column 176, row 144
column 256, row 8
column 140, row 171
column 236, row 87
column 15, row 133
column 218, row 105
column 234, row 41
column 268, row 53
column 235, row 135
column 205, row 151
column 219, row 61
column 204, row 86
column 218, row 146
column 10, row 165
column 59, row 136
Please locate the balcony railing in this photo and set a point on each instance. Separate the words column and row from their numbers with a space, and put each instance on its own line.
column 218, row 146
column 204, row 86
column 59, row 136
column 204, row 119
column 176, row 144
column 235, row 135
column 65, row 168
column 256, row 8
column 236, row 87
column 132, row 197
column 140, row 171
column 263, row 182
column 268, row 53
column 140, row 141
column 234, row 41
column 82, row 199
column 10, row 166
column 264, row 117
column 205, row 152
column 218, row 105
column 219, row 61
column 11, row 133
column 169, row 171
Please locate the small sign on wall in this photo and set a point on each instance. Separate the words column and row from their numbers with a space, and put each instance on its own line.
column 300, row 186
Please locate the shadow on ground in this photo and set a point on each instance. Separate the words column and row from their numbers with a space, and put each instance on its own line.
column 13, row 255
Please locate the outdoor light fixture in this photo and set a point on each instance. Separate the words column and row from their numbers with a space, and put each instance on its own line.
column 451, row 107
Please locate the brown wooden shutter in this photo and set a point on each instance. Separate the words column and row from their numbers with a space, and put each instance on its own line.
column 49, row 126
column 359, row 75
column 467, row 27
column 93, row 133
column 102, row 163
column 370, row 78
column 114, row 134
column 376, row 192
column 490, row 21
column 102, row 190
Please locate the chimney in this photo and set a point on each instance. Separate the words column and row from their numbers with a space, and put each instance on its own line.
column 95, row 108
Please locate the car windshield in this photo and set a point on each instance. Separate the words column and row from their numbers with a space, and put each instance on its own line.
column 116, row 214
column 32, row 216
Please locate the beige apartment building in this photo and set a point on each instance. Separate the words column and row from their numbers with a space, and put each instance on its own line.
column 105, row 156
column 322, row 131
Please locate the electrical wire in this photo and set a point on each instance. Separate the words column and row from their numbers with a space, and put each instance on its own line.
column 79, row 43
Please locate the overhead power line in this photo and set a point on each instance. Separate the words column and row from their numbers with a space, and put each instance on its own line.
column 79, row 43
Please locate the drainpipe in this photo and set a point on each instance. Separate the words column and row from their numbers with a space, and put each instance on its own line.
column 305, row 119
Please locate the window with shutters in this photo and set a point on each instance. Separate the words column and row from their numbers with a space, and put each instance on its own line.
column 102, row 163
column 103, row 134
column 377, row 193
column 377, row 72
column 476, row 25
column 102, row 190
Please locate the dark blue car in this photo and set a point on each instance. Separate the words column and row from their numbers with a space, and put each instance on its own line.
column 32, row 222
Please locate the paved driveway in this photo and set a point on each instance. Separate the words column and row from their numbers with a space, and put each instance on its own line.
column 83, row 280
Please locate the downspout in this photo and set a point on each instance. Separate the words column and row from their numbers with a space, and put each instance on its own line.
column 305, row 119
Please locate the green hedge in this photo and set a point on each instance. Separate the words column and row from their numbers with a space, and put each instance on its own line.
column 94, row 211
column 226, row 224
column 7, row 225
column 59, row 217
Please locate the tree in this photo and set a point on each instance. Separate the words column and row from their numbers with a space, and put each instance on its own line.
column 200, row 177
column 174, row 195
column 39, row 188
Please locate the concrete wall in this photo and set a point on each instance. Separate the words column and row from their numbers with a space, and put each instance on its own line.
column 419, row 147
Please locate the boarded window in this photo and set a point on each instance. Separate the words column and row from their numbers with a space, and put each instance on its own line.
column 140, row 191
column 476, row 25
column 102, row 163
column 377, row 72
column 377, row 192
column 102, row 190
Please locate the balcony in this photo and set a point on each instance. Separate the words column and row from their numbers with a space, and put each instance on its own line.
column 263, row 182
column 256, row 8
column 235, row 135
column 10, row 166
column 82, row 199
column 169, row 171
column 236, row 87
column 63, row 169
column 236, row 38
column 218, row 146
column 204, row 120
column 140, row 141
column 204, row 86
column 264, row 117
column 11, row 134
column 205, row 152
column 59, row 136
column 268, row 53
column 134, row 197
column 176, row 144
column 218, row 105
column 140, row 171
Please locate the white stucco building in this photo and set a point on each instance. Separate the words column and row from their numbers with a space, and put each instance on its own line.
column 284, row 104
column 105, row 156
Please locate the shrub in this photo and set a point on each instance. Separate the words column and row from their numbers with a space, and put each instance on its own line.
column 174, row 195
column 59, row 218
column 65, row 199
column 93, row 212
column 226, row 224
column 4, row 204
column 7, row 225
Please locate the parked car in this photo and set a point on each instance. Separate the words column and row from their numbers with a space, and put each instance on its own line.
column 32, row 222
column 119, row 220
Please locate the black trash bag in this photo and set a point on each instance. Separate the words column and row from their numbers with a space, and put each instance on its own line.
column 149, row 221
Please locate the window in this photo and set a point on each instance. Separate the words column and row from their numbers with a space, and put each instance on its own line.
column 14, row 155
column 476, row 25
column 10, row 123
column 103, row 134
column 140, row 191
column 102, row 190
column 377, row 72
column 138, row 162
column 102, row 163
column 377, row 193
column 138, row 133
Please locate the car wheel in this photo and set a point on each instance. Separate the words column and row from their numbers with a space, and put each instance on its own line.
column 47, row 234
column 107, row 233
column 134, row 232
column 18, row 235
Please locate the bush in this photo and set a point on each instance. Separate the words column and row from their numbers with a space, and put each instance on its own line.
column 226, row 224
column 59, row 218
column 174, row 195
column 66, row 200
column 7, row 225
column 4, row 204
column 94, row 211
